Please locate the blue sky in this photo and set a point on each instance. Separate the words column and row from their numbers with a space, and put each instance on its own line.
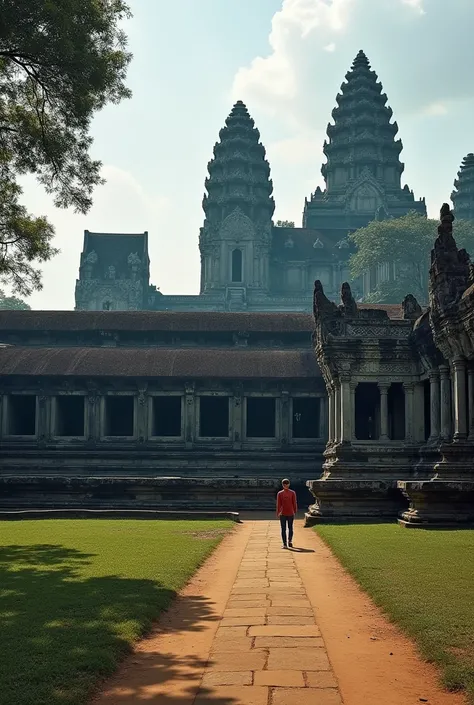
column 286, row 59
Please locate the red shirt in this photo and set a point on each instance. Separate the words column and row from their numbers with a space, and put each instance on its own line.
column 286, row 503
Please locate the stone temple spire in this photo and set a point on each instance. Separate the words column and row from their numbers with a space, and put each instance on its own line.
column 239, row 174
column 363, row 168
column 235, row 240
column 463, row 194
column 362, row 136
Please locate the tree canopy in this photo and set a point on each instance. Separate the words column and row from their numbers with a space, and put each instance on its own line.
column 406, row 242
column 12, row 302
column 60, row 62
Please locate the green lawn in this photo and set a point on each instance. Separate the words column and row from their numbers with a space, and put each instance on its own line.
column 424, row 581
column 74, row 595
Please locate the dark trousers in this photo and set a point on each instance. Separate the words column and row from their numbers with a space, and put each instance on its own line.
column 284, row 521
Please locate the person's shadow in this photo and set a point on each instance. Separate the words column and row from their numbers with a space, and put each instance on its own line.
column 301, row 550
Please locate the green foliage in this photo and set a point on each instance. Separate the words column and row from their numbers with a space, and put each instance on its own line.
column 76, row 595
column 12, row 303
column 60, row 62
column 407, row 242
column 423, row 582
column 285, row 224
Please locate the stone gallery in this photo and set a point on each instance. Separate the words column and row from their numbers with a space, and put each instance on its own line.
column 138, row 400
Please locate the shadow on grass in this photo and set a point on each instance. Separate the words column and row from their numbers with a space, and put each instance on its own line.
column 62, row 632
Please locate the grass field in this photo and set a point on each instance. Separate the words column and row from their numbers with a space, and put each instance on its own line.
column 424, row 581
column 74, row 596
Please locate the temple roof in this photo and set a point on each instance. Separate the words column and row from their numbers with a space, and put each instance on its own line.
column 193, row 321
column 463, row 193
column 154, row 321
column 239, row 174
column 362, row 120
column 157, row 362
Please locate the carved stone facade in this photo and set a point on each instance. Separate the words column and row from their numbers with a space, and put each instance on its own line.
column 401, row 401
column 100, row 410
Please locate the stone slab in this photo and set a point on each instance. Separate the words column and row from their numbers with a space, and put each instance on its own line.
column 301, row 631
column 243, row 695
column 320, row 679
column 244, row 621
column 244, row 612
column 213, row 678
column 231, row 631
column 230, row 661
column 290, row 642
column 289, row 679
column 289, row 610
column 241, row 643
column 297, row 620
column 303, row 658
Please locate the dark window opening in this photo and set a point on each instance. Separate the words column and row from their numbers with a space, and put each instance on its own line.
column 396, row 412
column 260, row 417
column 367, row 411
column 214, row 417
column 306, row 417
column 107, row 306
column 237, row 265
column 119, row 413
column 166, row 416
column 69, row 419
column 22, row 415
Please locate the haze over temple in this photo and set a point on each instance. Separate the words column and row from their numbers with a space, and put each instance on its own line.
column 247, row 263
column 139, row 399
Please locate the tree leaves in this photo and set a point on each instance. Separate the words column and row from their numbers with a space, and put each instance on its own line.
column 60, row 62
column 406, row 242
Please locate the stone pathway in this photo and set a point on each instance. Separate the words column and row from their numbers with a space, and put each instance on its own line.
column 268, row 649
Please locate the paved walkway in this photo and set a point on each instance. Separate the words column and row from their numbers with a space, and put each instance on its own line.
column 245, row 631
column 268, row 647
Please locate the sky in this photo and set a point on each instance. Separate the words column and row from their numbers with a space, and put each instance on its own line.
column 286, row 59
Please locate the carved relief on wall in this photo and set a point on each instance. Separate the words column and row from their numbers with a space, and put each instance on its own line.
column 237, row 226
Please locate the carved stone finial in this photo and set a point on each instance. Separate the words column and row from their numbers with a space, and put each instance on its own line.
column 445, row 239
column 411, row 308
column 322, row 307
column 348, row 304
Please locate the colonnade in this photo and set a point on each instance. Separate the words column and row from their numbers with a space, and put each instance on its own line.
column 451, row 406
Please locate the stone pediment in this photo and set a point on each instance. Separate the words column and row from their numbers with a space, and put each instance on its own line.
column 237, row 226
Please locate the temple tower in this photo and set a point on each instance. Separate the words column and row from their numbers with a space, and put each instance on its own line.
column 114, row 273
column 463, row 193
column 235, row 239
column 363, row 168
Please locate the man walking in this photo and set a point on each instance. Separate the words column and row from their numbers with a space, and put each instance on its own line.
column 286, row 510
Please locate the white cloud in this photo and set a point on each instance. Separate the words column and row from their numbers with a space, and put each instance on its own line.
column 434, row 109
column 417, row 5
column 330, row 47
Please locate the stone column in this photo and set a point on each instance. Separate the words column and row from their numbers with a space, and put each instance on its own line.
column 337, row 412
column 142, row 415
column 237, row 419
column 93, row 429
column 285, row 417
column 353, row 386
column 43, row 421
column 331, row 415
column 470, row 393
column 460, row 408
column 435, row 405
column 383, row 389
column 346, row 411
column 409, row 388
column 445, row 403
column 189, row 415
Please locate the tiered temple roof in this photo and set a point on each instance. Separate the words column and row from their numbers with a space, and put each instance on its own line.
column 239, row 174
column 463, row 193
column 362, row 132
column 363, row 168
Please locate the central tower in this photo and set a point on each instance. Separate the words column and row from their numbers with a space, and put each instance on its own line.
column 363, row 168
column 235, row 239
